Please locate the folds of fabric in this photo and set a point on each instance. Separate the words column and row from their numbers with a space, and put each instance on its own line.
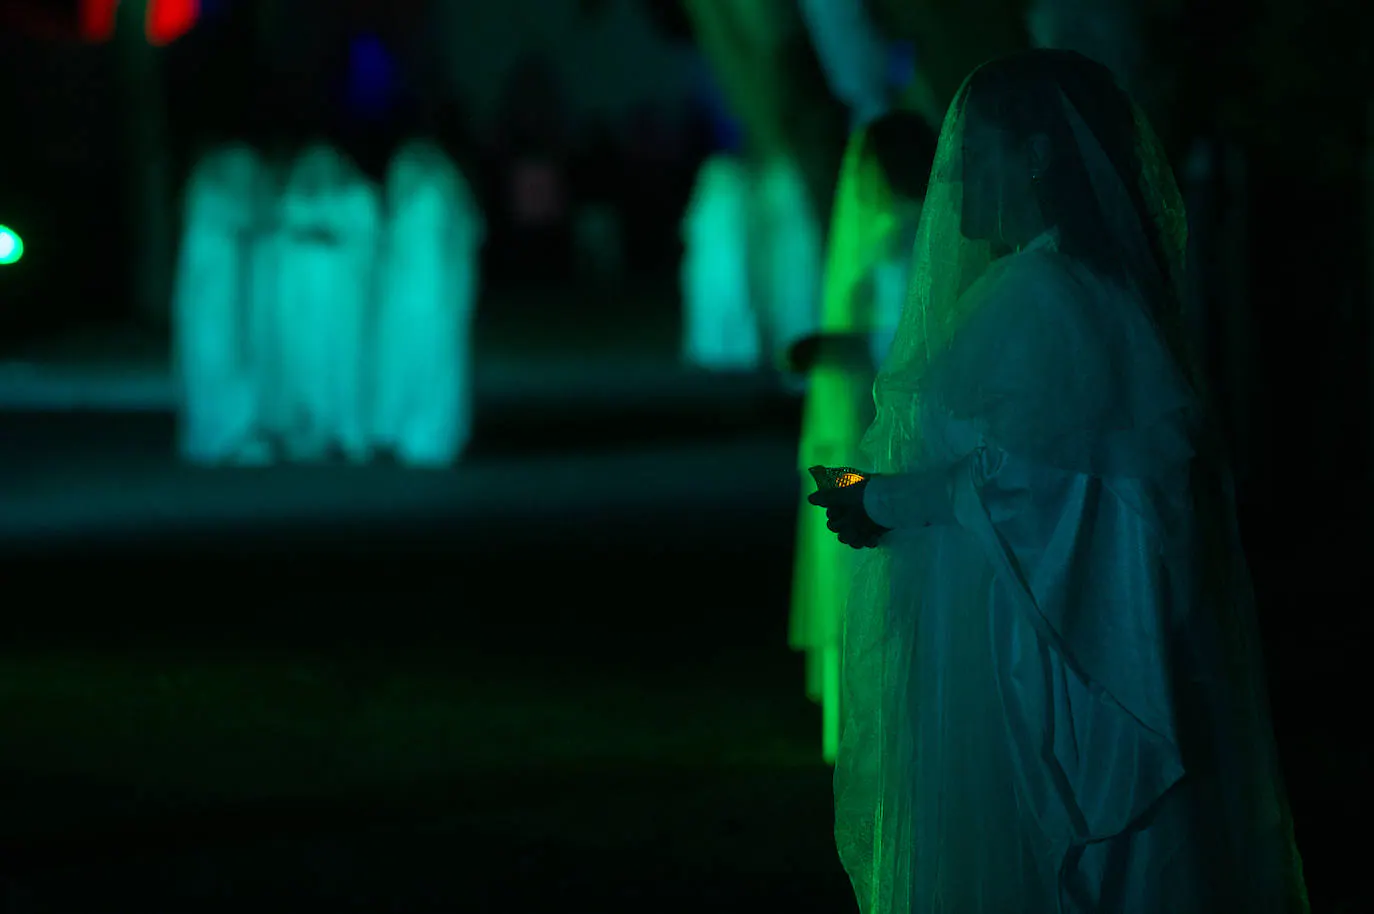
column 1053, row 693
column 421, row 371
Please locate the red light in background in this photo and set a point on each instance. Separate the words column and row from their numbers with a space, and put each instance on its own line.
column 98, row 19
column 168, row 20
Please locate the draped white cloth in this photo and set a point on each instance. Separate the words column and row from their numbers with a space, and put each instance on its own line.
column 1073, row 698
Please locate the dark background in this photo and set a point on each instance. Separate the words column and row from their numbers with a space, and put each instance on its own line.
column 558, row 674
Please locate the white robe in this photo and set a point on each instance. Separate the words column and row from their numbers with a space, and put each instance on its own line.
column 788, row 257
column 1064, row 729
column 215, row 351
column 720, row 323
column 328, row 243
column 422, row 377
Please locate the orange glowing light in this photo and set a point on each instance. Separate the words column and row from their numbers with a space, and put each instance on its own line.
column 836, row 477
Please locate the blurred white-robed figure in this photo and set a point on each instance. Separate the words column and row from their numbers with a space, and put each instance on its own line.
column 720, row 323
column 228, row 197
column 330, row 217
column 788, row 256
column 427, row 295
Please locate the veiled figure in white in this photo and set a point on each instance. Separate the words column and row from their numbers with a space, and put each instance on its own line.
column 720, row 320
column 217, row 332
column 328, row 241
column 427, row 298
column 788, row 248
column 1053, row 689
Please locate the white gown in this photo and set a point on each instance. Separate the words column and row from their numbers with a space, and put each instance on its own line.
column 1063, row 730
column 720, row 323
column 427, row 296
column 228, row 198
column 789, row 257
column 328, row 244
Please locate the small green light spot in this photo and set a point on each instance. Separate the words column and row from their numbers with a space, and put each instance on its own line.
column 11, row 246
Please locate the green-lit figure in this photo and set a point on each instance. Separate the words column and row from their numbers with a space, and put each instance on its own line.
column 1053, row 691
column 877, row 203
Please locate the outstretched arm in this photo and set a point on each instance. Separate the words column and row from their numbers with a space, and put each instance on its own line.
column 903, row 501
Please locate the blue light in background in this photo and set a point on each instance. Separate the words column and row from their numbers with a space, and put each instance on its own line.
column 901, row 64
column 727, row 133
column 371, row 76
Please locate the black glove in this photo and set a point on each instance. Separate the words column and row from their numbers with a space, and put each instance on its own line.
column 846, row 517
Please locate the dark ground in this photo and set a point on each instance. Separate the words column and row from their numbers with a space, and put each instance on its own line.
column 553, row 678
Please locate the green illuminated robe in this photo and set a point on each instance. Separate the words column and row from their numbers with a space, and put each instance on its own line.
column 838, row 408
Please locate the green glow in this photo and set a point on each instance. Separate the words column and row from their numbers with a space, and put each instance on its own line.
column 838, row 407
column 11, row 246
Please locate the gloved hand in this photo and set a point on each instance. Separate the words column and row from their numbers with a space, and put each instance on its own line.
column 846, row 517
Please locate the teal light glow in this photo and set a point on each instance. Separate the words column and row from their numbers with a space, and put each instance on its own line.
column 11, row 246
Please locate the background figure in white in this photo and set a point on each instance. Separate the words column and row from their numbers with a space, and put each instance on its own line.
column 720, row 323
column 264, row 292
column 422, row 407
column 328, row 243
column 226, row 202
column 788, row 249
column 853, row 54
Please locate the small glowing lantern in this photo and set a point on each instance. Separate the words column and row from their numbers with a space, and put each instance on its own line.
column 836, row 477
column 11, row 246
